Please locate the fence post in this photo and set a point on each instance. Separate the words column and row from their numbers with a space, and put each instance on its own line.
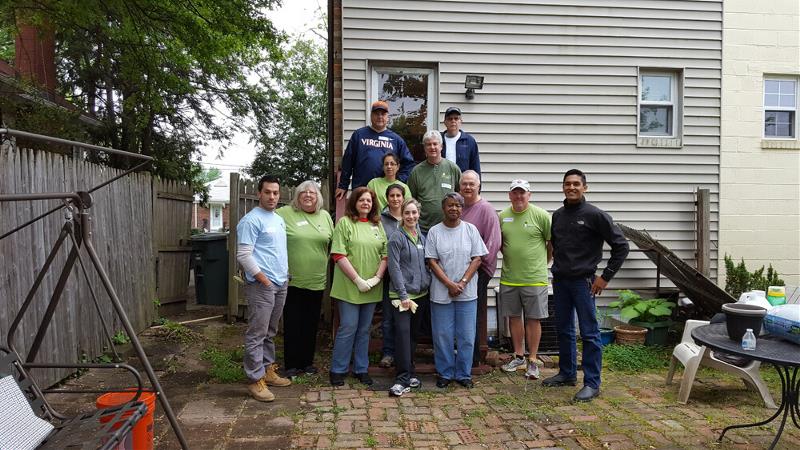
column 233, row 221
column 702, row 226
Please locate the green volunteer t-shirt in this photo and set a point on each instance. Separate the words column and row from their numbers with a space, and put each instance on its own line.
column 429, row 184
column 308, row 238
column 525, row 236
column 379, row 185
column 364, row 244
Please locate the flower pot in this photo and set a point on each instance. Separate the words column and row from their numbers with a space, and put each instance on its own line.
column 606, row 336
column 656, row 331
column 739, row 317
column 629, row 334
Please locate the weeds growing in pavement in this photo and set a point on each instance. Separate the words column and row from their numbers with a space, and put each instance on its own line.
column 226, row 366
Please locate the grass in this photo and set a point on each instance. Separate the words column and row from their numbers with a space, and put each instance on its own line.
column 226, row 365
column 120, row 338
column 635, row 358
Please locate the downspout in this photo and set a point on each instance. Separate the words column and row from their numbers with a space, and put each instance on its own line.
column 331, row 159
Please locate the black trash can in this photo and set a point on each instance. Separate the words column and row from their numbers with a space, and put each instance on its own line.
column 210, row 262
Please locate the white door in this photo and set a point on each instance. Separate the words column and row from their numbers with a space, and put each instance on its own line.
column 216, row 217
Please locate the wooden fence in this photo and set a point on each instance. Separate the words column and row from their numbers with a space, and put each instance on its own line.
column 123, row 233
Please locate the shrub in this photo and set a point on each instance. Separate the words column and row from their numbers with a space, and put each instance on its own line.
column 738, row 279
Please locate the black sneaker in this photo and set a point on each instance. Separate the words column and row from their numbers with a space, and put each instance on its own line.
column 311, row 370
column 414, row 383
column 442, row 383
column 337, row 379
column 467, row 383
column 291, row 373
column 364, row 378
column 558, row 379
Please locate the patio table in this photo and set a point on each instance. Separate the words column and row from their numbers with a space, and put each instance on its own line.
column 783, row 355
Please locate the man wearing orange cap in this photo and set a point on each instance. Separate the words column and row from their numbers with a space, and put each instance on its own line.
column 363, row 157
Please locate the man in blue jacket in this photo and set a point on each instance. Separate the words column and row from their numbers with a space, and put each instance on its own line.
column 578, row 231
column 459, row 146
column 363, row 157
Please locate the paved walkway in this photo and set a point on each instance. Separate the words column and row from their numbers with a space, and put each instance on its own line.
column 502, row 411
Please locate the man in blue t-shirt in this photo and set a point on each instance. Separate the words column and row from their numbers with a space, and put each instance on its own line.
column 261, row 250
column 363, row 157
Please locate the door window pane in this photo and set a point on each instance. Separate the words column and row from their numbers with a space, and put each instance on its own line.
column 406, row 92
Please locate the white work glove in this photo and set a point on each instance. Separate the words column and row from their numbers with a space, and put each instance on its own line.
column 362, row 285
column 374, row 281
column 399, row 305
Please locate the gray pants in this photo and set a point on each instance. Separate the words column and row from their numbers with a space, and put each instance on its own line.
column 264, row 310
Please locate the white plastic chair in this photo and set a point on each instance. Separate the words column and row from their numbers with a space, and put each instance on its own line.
column 692, row 356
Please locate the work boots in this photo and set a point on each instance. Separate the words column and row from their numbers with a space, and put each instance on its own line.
column 271, row 377
column 260, row 391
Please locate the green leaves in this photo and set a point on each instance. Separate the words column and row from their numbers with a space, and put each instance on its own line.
column 633, row 307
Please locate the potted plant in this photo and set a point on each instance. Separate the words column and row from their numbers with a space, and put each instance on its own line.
column 606, row 332
column 652, row 314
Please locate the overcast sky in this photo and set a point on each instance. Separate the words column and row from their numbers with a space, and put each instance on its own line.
column 295, row 17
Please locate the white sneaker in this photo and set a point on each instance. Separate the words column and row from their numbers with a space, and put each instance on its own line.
column 533, row 371
column 414, row 383
column 514, row 364
column 398, row 390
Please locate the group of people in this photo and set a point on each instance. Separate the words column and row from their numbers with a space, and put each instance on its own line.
column 422, row 242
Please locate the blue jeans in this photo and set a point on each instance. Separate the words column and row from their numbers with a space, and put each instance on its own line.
column 454, row 322
column 352, row 337
column 388, row 323
column 573, row 295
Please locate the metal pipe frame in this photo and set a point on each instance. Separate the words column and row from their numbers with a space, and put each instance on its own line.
column 55, row 140
column 126, row 324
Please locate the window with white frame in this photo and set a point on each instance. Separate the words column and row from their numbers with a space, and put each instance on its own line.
column 659, row 104
column 780, row 108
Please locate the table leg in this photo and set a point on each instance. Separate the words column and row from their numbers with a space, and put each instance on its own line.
column 789, row 398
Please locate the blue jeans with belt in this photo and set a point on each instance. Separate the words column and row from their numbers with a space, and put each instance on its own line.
column 571, row 296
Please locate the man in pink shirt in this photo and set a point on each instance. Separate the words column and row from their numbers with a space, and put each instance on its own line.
column 482, row 214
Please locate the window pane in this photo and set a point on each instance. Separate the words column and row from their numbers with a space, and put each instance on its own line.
column 787, row 101
column 655, row 120
column 779, row 124
column 407, row 95
column 787, row 87
column 771, row 100
column 771, row 86
column 656, row 88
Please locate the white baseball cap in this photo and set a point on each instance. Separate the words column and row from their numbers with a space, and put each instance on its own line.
column 522, row 184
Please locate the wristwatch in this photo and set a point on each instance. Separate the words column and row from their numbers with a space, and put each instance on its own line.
column 463, row 280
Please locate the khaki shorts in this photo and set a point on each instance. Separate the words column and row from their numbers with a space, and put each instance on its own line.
column 532, row 300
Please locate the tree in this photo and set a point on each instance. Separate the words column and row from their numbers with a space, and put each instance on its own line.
column 294, row 146
column 161, row 75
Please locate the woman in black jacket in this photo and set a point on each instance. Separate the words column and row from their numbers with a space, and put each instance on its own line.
column 410, row 280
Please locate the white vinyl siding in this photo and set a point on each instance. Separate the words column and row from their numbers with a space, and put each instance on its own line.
column 560, row 92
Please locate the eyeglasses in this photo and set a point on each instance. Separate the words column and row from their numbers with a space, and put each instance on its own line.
column 311, row 193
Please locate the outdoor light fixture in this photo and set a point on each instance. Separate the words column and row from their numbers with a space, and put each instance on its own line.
column 471, row 83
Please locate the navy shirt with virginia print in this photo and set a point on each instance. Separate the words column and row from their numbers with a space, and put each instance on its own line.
column 363, row 157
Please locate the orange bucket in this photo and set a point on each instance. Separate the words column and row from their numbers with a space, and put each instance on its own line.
column 143, row 430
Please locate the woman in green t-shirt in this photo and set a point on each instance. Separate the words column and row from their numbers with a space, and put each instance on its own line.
column 391, row 165
column 309, row 230
column 359, row 251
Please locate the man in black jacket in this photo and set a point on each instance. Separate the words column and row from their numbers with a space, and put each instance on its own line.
column 578, row 232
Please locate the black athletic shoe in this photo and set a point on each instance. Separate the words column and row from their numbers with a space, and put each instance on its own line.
column 442, row 383
column 364, row 378
column 586, row 394
column 467, row 383
column 337, row 379
column 558, row 379
column 311, row 370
